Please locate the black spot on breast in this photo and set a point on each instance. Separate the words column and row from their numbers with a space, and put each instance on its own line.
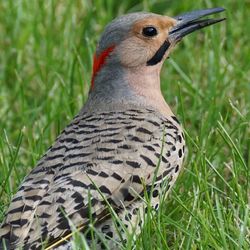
column 105, row 149
column 128, row 216
column 148, row 161
column 133, row 164
column 136, row 179
column 45, row 215
column 179, row 138
column 107, row 158
column 84, row 212
column 60, row 200
column 109, row 234
column 19, row 198
column 135, row 210
column 76, row 183
column 105, row 228
column 63, row 225
column 33, row 197
column 155, row 193
column 161, row 157
column 44, row 202
column 180, row 153
column 125, row 146
column 61, row 176
column 136, row 139
column 154, row 123
column 136, row 111
column 103, row 174
column 91, row 172
column 54, row 157
column 144, row 131
column 79, row 206
column 109, row 135
column 77, row 197
column 93, row 202
column 164, row 174
column 116, row 176
column 17, row 210
column 113, row 141
column 127, row 196
column 73, row 156
column 148, row 147
column 116, row 162
column 43, row 181
column 69, row 140
column 130, row 127
column 60, row 190
column 105, row 190
column 19, row 222
column 176, row 168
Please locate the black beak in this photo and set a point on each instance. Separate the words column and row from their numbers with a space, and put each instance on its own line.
column 186, row 24
column 191, row 21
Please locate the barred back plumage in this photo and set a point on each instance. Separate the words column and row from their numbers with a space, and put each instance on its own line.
column 115, row 150
column 124, row 143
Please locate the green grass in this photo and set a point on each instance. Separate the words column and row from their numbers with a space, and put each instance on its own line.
column 46, row 50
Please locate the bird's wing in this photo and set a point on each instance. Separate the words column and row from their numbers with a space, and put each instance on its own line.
column 94, row 153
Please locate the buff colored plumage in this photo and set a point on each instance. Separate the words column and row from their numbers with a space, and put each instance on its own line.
column 124, row 142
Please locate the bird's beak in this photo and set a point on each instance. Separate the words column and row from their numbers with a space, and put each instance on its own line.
column 191, row 21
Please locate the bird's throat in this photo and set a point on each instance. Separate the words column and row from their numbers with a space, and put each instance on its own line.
column 145, row 82
column 132, row 85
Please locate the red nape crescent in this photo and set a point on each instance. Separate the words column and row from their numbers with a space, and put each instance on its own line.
column 99, row 62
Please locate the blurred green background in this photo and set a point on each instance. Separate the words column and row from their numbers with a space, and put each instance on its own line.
column 46, row 50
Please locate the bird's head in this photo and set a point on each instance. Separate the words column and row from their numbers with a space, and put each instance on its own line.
column 133, row 47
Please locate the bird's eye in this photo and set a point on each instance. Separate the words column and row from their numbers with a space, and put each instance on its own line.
column 149, row 31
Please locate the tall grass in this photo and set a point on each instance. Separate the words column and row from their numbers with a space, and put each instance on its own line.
column 46, row 50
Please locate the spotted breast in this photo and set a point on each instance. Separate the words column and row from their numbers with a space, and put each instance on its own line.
column 110, row 152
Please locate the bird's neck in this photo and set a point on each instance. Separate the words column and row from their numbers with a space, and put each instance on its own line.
column 139, row 86
column 146, row 83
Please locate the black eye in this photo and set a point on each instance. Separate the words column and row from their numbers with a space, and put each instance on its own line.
column 149, row 31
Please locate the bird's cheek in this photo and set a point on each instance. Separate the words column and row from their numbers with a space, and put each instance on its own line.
column 133, row 53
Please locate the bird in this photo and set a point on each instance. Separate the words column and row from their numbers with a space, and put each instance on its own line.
column 123, row 145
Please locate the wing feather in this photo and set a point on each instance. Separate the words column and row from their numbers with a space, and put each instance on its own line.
column 109, row 156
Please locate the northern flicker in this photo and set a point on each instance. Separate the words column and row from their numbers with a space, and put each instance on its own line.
column 124, row 142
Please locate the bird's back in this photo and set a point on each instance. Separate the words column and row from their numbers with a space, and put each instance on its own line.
column 112, row 153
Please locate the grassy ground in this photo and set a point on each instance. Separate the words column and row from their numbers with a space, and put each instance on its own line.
column 46, row 50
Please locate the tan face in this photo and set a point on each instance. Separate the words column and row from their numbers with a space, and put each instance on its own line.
column 145, row 38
